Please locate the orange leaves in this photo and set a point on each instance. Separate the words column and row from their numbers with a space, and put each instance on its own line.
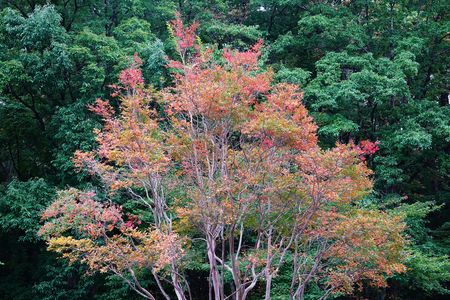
column 244, row 151
column 250, row 155
column 102, row 108
column 135, row 249
column 82, row 228
column 336, row 175
column 79, row 211
column 216, row 93
column 283, row 119
column 367, row 245
column 132, row 140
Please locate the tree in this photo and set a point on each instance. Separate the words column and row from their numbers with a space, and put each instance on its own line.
column 132, row 144
column 257, row 186
column 370, row 79
column 106, row 242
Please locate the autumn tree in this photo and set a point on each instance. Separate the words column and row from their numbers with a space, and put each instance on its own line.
column 131, row 156
column 100, row 237
column 257, row 187
column 252, row 168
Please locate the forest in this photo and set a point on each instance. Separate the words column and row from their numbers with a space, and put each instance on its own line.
column 224, row 149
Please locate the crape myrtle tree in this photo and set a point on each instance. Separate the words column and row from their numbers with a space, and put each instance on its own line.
column 256, row 188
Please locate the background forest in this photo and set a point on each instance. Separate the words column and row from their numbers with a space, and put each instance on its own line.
column 370, row 70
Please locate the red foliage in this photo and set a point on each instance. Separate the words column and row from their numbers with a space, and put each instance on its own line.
column 368, row 148
column 102, row 108
column 245, row 152
column 80, row 210
column 247, row 59
column 185, row 36
column 132, row 77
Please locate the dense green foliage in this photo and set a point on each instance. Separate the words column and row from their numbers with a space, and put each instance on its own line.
column 374, row 70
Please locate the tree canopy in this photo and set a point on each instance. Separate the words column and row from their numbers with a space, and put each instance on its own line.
column 268, row 149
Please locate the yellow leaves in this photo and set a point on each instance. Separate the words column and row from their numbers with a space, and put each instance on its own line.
column 130, row 249
column 70, row 248
column 62, row 244
column 101, row 238
column 245, row 154
column 186, row 221
column 149, row 248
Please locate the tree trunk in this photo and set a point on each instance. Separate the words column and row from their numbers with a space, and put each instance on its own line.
column 214, row 273
column 268, row 286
